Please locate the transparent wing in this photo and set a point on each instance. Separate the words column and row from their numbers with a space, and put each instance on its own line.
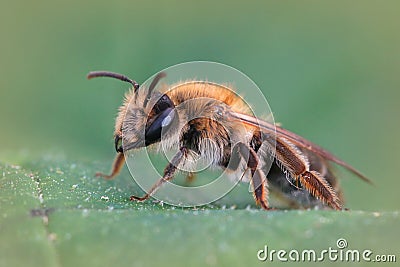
column 297, row 140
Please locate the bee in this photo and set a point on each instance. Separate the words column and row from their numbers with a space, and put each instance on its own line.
column 301, row 175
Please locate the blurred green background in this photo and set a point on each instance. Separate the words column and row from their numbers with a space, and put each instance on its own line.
column 330, row 72
column 329, row 69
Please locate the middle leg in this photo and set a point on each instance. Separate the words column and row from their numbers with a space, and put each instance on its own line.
column 258, row 178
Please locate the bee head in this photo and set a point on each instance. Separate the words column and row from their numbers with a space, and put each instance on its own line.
column 145, row 115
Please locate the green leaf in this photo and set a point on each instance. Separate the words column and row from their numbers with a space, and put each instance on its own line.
column 24, row 240
column 55, row 213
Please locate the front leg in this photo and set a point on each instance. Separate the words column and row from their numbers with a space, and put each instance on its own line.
column 169, row 173
column 116, row 167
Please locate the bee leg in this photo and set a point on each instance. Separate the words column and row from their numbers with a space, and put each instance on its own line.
column 190, row 177
column 318, row 187
column 169, row 173
column 293, row 161
column 258, row 179
column 259, row 183
column 116, row 167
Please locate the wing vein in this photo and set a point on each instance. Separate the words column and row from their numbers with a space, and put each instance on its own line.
column 270, row 129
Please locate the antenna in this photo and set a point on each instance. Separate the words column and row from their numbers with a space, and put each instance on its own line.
column 95, row 74
column 153, row 84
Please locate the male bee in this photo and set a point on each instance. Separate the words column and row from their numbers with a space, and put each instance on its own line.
column 227, row 134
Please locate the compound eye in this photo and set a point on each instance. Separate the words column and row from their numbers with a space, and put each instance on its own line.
column 162, row 122
column 163, row 103
column 168, row 119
